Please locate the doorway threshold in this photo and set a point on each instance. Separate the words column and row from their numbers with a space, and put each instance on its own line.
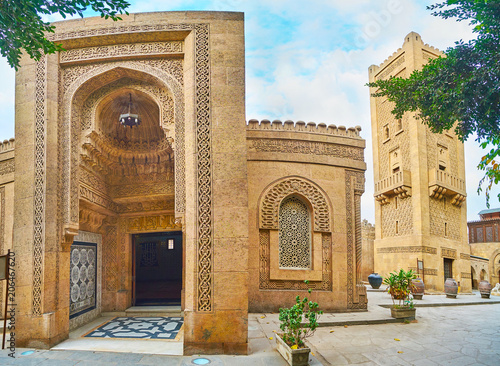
column 156, row 310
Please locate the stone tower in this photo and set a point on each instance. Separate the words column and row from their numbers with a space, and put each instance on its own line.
column 420, row 211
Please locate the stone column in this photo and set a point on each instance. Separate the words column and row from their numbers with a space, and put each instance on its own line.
column 216, row 314
column 42, row 273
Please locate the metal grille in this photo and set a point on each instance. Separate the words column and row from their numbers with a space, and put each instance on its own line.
column 294, row 234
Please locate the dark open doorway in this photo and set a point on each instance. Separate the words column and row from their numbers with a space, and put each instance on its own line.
column 157, row 270
column 448, row 268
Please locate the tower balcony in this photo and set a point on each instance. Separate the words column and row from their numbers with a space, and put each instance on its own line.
column 397, row 184
column 443, row 184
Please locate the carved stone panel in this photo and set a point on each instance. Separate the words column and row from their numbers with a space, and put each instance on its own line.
column 83, row 280
column 7, row 167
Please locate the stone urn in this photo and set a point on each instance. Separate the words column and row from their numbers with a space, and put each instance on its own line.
column 375, row 280
column 418, row 288
column 451, row 288
column 484, row 289
column 294, row 357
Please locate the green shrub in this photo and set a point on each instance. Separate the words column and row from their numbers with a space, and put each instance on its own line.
column 400, row 287
column 292, row 319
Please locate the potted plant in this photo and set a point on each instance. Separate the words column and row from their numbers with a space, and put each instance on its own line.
column 297, row 323
column 400, row 286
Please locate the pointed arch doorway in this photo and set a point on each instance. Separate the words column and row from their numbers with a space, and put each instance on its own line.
column 157, row 269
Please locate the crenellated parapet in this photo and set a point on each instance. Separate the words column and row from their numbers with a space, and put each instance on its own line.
column 303, row 142
column 7, row 145
column 7, row 164
column 301, row 126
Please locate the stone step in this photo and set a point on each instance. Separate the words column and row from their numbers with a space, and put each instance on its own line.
column 148, row 311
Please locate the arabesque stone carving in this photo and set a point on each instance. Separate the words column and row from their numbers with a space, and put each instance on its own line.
column 274, row 195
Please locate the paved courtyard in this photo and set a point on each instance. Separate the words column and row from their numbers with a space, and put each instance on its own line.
column 442, row 335
column 462, row 335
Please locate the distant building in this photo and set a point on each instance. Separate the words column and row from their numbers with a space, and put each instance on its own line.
column 367, row 238
column 484, row 241
column 420, row 211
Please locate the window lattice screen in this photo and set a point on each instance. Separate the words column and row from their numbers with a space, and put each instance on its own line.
column 294, row 234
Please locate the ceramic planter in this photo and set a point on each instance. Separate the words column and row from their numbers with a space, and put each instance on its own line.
column 451, row 288
column 418, row 288
column 484, row 289
column 403, row 313
column 375, row 280
column 294, row 357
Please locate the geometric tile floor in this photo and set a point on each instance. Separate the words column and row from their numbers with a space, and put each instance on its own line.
column 139, row 327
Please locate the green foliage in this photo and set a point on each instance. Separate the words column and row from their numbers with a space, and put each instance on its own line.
column 22, row 27
column 400, row 287
column 490, row 166
column 463, row 86
column 304, row 311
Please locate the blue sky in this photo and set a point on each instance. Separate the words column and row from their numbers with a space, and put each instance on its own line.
column 309, row 60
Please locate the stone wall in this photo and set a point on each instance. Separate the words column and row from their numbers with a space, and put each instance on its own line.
column 491, row 252
column 7, row 171
column 324, row 167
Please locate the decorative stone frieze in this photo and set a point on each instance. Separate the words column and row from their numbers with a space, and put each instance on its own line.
column 153, row 223
column 110, row 52
column 7, row 167
column 408, row 249
column 449, row 253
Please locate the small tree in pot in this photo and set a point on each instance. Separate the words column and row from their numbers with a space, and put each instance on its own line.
column 400, row 286
column 297, row 323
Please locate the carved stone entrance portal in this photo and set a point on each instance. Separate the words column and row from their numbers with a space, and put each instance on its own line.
column 85, row 173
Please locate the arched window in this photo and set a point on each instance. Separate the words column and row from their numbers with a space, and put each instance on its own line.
column 294, row 234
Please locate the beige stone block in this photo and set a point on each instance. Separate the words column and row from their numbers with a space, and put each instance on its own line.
column 230, row 289
column 236, row 27
column 229, row 165
column 230, row 254
column 231, row 223
column 219, row 76
column 225, row 96
column 222, row 143
column 221, row 326
column 236, row 76
column 230, row 193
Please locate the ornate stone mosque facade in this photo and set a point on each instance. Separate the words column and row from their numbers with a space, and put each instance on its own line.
column 194, row 207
